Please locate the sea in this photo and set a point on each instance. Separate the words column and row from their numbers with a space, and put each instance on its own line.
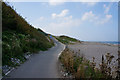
column 107, row 42
column 110, row 42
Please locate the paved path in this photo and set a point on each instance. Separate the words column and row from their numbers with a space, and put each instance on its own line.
column 42, row 65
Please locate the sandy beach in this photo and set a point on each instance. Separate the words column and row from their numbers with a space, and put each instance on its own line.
column 94, row 49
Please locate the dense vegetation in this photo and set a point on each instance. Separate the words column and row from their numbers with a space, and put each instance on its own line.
column 66, row 39
column 19, row 37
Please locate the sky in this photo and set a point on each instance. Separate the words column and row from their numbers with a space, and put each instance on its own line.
column 86, row 21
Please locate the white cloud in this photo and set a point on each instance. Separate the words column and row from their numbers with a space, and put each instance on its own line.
column 89, row 16
column 37, row 22
column 62, row 14
column 63, row 26
column 62, row 22
column 89, row 3
column 104, row 20
column 107, row 8
column 56, row 2
column 68, row 22
column 54, row 15
column 108, row 16
column 60, row 2
column 95, row 19
column 41, row 18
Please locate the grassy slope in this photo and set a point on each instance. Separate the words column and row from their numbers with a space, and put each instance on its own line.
column 66, row 39
column 19, row 37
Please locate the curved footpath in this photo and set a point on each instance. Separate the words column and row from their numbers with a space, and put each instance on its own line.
column 42, row 65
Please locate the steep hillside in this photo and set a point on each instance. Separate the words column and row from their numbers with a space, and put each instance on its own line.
column 19, row 38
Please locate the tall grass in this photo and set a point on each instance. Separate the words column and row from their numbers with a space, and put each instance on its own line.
column 80, row 67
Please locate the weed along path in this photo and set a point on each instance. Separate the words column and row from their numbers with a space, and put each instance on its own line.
column 42, row 65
